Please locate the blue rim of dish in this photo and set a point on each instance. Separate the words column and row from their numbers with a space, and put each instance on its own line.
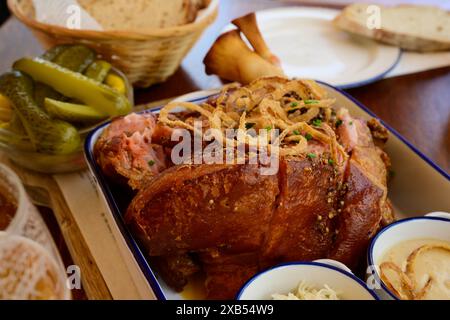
column 374, row 78
column 370, row 259
column 132, row 244
column 307, row 263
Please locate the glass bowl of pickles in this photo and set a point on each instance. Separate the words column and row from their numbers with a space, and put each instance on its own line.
column 49, row 104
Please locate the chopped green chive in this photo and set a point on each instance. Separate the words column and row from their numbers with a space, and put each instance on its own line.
column 311, row 101
column 311, row 155
column 249, row 125
column 296, row 132
column 350, row 123
column 268, row 128
column 338, row 123
column 292, row 111
column 294, row 104
column 308, row 136
column 330, row 162
column 317, row 122
column 151, row 163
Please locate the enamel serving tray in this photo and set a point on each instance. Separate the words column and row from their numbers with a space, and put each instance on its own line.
column 418, row 187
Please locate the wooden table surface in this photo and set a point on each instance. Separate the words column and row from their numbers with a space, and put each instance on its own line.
column 417, row 105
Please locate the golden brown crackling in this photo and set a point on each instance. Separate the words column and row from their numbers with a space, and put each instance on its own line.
column 197, row 207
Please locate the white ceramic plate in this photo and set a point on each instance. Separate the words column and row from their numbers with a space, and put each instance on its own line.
column 309, row 46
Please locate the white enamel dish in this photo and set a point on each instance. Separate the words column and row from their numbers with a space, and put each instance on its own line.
column 309, row 46
column 419, row 187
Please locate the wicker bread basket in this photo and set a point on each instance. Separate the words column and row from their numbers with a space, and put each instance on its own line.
column 146, row 58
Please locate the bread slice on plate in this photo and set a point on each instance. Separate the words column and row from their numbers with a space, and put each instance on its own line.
column 410, row 27
column 139, row 15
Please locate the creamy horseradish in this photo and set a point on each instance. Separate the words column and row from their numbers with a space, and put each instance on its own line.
column 418, row 269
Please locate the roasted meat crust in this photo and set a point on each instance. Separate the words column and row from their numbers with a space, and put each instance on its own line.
column 230, row 206
column 363, row 206
column 295, row 215
column 379, row 132
column 301, row 227
column 231, row 221
column 308, row 211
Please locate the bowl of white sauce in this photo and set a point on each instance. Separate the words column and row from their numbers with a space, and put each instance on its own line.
column 410, row 259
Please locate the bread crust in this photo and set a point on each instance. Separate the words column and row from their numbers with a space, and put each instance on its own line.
column 139, row 15
column 405, row 41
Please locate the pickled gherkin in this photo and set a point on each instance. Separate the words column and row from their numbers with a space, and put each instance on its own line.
column 6, row 112
column 76, row 86
column 98, row 70
column 76, row 58
column 43, row 91
column 72, row 112
column 46, row 135
column 116, row 82
column 51, row 54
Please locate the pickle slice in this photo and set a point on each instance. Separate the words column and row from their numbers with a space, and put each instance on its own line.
column 47, row 135
column 76, row 58
column 75, row 85
column 116, row 82
column 43, row 91
column 52, row 53
column 15, row 124
column 72, row 112
column 98, row 70
column 6, row 112
column 73, row 57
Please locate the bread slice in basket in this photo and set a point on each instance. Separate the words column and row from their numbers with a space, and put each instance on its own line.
column 415, row 28
column 139, row 15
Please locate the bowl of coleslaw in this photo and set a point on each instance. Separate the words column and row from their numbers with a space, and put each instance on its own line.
column 319, row 280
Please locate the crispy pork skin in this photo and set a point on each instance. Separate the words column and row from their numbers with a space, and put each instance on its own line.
column 302, row 226
column 197, row 207
column 362, row 208
column 379, row 132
